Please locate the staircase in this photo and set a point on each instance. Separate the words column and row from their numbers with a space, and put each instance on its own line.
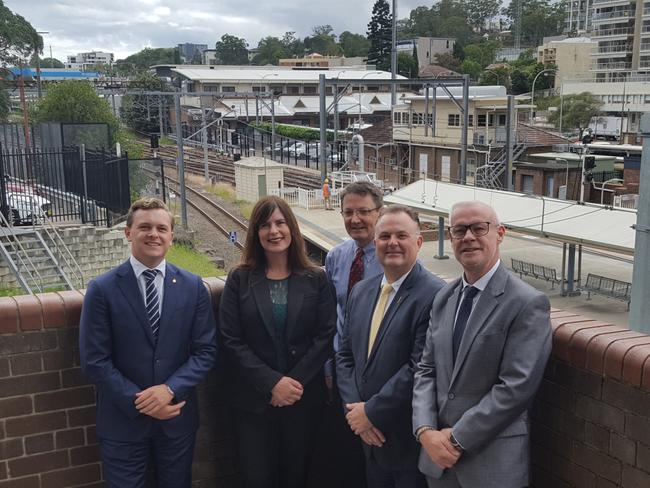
column 38, row 258
column 490, row 175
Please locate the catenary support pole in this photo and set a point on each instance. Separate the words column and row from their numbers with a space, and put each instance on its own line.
column 463, row 138
column 181, row 162
column 640, row 305
column 393, row 57
column 510, row 141
column 323, row 127
column 441, row 240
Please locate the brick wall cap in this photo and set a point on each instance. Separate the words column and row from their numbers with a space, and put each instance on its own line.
column 598, row 347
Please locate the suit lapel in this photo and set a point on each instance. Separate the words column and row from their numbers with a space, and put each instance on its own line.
column 446, row 328
column 129, row 288
column 171, row 300
column 487, row 302
column 399, row 298
column 365, row 319
column 263, row 299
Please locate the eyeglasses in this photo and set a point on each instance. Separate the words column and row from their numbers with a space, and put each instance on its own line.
column 477, row 228
column 359, row 212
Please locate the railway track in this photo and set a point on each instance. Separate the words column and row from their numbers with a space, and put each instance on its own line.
column 222, row 169
column 242, row 227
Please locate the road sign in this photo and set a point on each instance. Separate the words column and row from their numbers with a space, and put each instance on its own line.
column 233, row 236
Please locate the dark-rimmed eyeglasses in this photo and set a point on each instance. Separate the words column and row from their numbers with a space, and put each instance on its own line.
column 359, row 212
column 477, row 228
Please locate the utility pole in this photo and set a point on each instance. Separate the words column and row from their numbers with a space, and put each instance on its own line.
column 204, row 140
column 510, row 141
column 393, row 57
column 463, row 134
column 160, row 116
column 323, row 127
column 181, row 162
column 640, row 304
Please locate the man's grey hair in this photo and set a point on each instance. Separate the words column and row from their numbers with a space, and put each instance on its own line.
column 475, row 203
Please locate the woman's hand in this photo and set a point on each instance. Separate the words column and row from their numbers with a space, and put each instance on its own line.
column 286, row 392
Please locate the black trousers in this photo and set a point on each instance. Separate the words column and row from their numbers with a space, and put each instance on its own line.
column 275, row 447
column 339, row 461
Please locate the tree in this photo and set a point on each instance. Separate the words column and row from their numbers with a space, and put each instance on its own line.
column 407, row 66
column 448, row 61
column 480, row 11
column 354, row 45
column 18, row 39
column 75, row 102
column 140, row 112
column 498, row 75
column 232, row 50
column 270, row 50
column 483, row 53
column 539, row 19
column 472, row 68
column 293, row 46
column 5, row 105
column 51, row 63
column 577, row 111
column 146, row 58
column 323, row 41
column 380, row 35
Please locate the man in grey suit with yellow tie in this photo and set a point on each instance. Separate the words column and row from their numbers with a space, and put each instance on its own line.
column 383, row 334
column 486, row 349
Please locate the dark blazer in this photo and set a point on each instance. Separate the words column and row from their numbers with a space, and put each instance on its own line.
column 484, row 395
column 246, row 328
column 384, row 380
column 119, row 356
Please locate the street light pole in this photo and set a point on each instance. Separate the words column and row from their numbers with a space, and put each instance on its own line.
column 532, row 96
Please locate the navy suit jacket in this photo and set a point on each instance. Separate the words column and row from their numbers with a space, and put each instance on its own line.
column 384, row 380
column 119, row 355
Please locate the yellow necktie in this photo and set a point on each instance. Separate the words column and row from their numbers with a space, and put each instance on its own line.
column 378, row 314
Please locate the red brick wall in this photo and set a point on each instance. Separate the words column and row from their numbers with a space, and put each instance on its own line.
column 590, row 420
column 47, row 407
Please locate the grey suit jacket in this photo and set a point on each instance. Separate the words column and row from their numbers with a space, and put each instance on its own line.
column 484, row 396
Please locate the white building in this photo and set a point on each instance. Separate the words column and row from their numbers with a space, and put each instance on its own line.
column 89, row 60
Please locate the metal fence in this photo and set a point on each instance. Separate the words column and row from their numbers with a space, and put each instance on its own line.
column 67, row 185
column 54, row 136
column 147, row 178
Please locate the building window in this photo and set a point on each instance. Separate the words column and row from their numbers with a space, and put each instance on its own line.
column 309, row 90
column 502, row 120
column 259, row 89
column 293, row 90
column 471, row 121
column 418, row 119
column 453, row 120
column 227, row 89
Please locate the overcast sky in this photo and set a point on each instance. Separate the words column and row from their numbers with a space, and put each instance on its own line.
column 127, row 26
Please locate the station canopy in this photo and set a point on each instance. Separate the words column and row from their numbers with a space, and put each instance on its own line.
column 592, row 225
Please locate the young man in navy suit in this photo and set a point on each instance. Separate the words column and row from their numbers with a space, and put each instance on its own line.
column 147, row 338
column 385, row 325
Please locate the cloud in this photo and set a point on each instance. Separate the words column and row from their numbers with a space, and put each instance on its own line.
column 127, row 26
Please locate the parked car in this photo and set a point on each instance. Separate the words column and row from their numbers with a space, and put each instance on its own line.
column 28, row 209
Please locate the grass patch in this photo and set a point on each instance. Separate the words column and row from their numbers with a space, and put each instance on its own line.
column 224, row 191
column 11, row 292
column 166, row 141
column 192, row 261
column 246, row 208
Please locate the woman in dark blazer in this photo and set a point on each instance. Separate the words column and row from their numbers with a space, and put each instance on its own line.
column 277, row 319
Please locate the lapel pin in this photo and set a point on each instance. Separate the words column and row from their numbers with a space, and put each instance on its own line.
column 173, row 280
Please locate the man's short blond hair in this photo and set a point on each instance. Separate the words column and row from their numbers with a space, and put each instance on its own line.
column 147, row 204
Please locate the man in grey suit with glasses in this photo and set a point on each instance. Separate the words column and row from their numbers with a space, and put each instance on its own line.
column 486, row 349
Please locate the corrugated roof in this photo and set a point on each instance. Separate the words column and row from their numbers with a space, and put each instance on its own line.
column 276, row 75
column 597, row 226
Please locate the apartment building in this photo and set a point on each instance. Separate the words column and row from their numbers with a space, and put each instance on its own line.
column 428, row 48
column 89, row 60
column 318, row 61
column 579, row 15
column 572, row 57
column 190, row 52
column 622, row 30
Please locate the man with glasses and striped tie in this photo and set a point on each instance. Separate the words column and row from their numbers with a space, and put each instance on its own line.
column 486, row 349
column 146, row 339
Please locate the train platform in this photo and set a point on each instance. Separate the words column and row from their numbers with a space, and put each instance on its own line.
column 326, row 228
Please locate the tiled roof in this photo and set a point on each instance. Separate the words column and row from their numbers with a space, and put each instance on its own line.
column 535, row 136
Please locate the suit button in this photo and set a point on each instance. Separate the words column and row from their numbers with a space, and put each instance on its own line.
column 451, row 396
column 157, row 361
column 293, row 352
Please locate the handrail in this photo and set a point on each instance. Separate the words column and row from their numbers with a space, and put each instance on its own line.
column 21, row 255
column 66, row 257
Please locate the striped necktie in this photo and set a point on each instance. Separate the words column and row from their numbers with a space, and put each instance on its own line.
column 151, row 300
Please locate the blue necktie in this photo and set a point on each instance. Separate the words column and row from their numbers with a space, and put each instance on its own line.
column 463, row 314
column 151, row 300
